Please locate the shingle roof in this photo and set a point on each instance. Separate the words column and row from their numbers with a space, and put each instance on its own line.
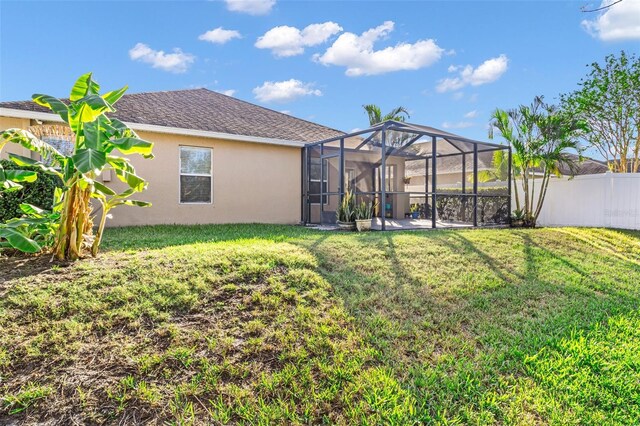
column 446, row 165
column 203, row 109
column 588, row 166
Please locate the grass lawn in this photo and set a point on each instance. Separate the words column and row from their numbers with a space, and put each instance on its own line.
column 272, row 324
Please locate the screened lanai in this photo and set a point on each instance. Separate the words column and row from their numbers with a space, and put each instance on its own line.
column 416, row 177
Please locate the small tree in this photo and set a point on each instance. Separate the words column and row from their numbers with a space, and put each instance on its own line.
column 97, row 138
column 609, row 102
column 541, row 137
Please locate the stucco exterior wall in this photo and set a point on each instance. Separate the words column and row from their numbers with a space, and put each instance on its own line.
column 8, row 123
column 252, row 182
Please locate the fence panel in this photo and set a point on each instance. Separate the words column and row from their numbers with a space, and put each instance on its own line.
column 605, row 200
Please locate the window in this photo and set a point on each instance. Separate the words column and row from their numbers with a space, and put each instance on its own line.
column 316, row 174
column 195, row 174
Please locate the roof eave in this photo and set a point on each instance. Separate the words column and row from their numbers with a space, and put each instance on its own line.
column 44, row 116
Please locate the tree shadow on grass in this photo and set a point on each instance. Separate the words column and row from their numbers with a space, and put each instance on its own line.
column 531, row 297
column 20, row 266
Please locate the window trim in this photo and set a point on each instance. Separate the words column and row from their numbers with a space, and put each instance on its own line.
column 180, row 174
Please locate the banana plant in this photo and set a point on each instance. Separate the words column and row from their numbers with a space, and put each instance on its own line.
column 10, row 179
column 35, row 230
column 98, row 140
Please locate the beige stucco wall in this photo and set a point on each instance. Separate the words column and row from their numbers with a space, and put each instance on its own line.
column 8, row 123
column 252, row 182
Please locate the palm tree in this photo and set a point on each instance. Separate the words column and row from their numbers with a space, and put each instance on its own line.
column 540, row 136
column 375, row 114
column 499, row 168
column 395, row 139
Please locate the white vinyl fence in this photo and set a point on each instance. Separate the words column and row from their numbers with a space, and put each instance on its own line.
column 609, row 200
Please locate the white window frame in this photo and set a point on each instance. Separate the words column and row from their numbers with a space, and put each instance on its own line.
column 326, row 179
column 180, row 174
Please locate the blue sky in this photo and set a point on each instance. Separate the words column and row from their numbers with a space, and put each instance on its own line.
column 450, row 63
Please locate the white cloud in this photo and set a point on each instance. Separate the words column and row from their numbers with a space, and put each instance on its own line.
column 177, row 62
column 457, row 96
column 286, row 111
column 229, row 92
column 457, row 125
column 471, row 114
column 487, row 72
column 284, row 91
column 290, row 41
column 619, row 22
column 252, row 7
column 357, row 53
column 219, row 35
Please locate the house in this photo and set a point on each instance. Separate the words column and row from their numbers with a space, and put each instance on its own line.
column 218, row 159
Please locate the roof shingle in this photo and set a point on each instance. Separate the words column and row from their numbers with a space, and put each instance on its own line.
column 203, row 109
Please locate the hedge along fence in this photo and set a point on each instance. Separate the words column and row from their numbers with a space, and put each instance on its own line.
column 38, row 193
column 493, row 206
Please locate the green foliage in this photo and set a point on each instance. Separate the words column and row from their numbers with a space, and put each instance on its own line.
column 375, row 114
column 608, row 100
column 364, row 210
column 499, row 171
column 98, row 139
column 543, row 138
column 517, row 214
column 346, row 211
column 34, row 230
column 11, row 179
column 26, row 397
column 400, row 113
column 38, row 193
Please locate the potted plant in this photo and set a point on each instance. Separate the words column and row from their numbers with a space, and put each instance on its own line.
column 517, row 218
column 363, row 214
column 345, row 213
column 415, row 211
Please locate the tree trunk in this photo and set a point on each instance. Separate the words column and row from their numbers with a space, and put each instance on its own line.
column 515, row 186
column 75, row 223
column 98, row 238
column 543, row 193
column 636, row 153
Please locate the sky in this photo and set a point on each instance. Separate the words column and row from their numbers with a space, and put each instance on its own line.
column 449, row 63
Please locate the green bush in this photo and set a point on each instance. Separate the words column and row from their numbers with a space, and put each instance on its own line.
column 38, row 193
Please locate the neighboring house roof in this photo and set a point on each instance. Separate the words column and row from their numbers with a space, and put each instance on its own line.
column 206, row 110
column 445, row 165
column 588, row 166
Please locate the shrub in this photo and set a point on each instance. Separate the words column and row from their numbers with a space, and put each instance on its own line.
column 38, row 193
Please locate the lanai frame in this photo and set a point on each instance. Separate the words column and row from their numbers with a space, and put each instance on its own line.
column 442, row 144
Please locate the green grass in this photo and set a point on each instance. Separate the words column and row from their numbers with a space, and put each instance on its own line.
column 257, row 324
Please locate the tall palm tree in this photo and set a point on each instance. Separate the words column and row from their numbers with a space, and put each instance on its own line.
column 540, row 136
column 375, row 114
column 395, row 139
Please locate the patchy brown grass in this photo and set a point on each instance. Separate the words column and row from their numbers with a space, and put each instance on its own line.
column 260, row 324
